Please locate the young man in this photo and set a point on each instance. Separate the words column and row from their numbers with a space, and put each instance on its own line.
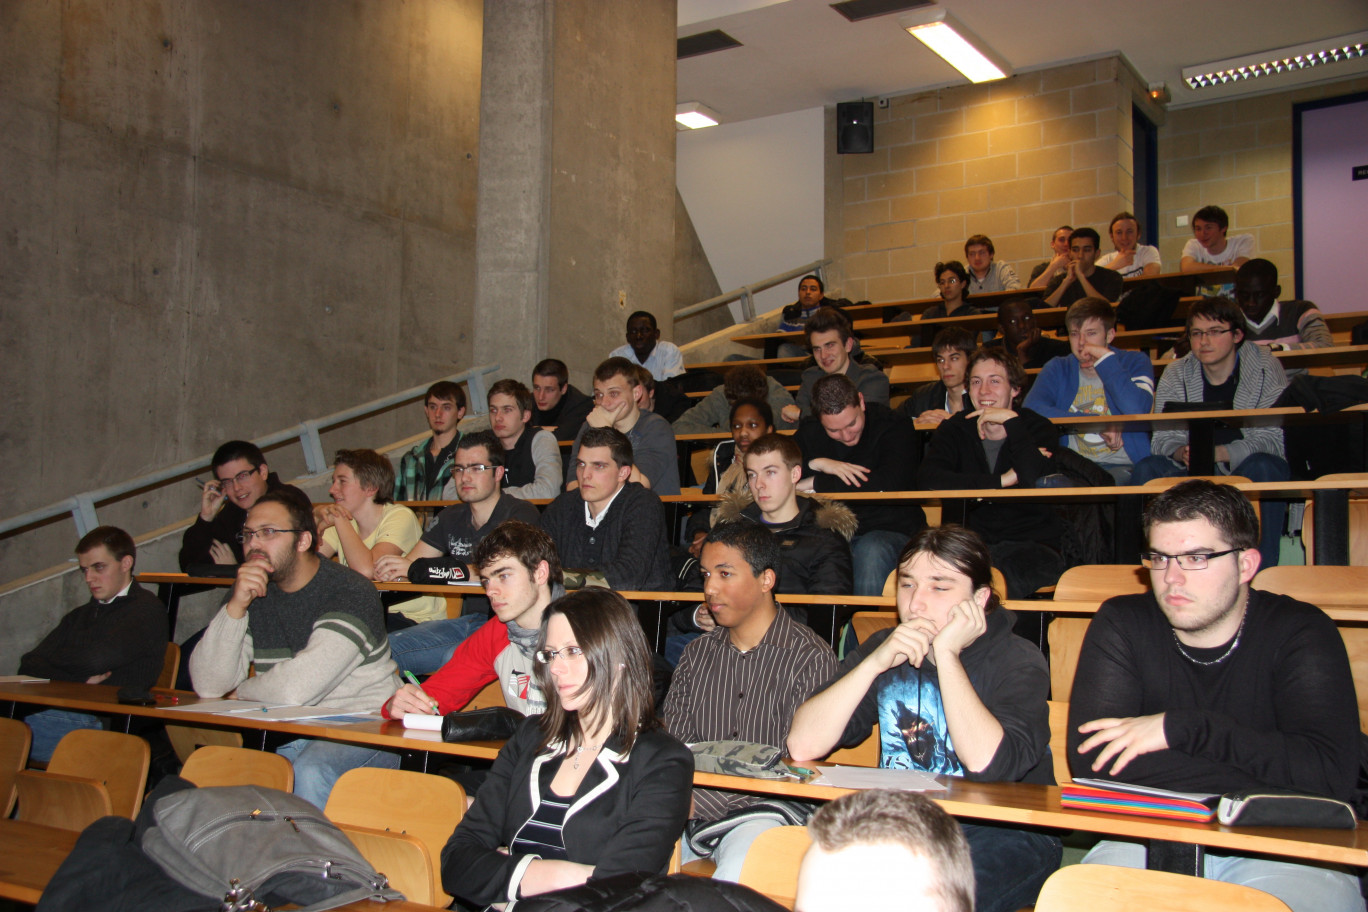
column 610, row 526
column 939, row 399
column 829, row 337
column 561, row 409
column 1224, row 370
column 476, row 472
column 953, row 692
column 744, row 382
column 1209, row 245
column 651, row 437
column 1019, row 333
column 985, row 273
column 1000, row 445
column 532, row 461
column 241, row 476
column 1096, row 378
column 1207, row 685
column 1083, row 278
column 883, row 849
column 1044, row 273
column 855, row 445
column 811, row 295
column 116, row 638
column 521, row 575
column 1280, row 325
column 743, row 680
column 425, row 469
column 663, row 359
column 313, row 631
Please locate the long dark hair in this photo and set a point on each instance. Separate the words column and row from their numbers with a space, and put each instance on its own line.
column 619, row 680
column 961, row 548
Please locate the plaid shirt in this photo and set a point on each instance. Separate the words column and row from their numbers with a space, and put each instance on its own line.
column 409, row 481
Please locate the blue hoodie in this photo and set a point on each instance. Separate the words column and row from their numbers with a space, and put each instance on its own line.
column 1127, row 381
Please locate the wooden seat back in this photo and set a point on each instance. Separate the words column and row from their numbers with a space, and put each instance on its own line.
column 402, row 858
column 1107, row 888
column 424, row 806
column 61, row 801
column 1320, row 585
column 1164, row 484
column 186, row 739
column 15, row 739
column 490, row 695
column 867, row 623
column 216, row 764
column 1095, row 582
column 771, row 865
column 1065, row 636
column 1059, row 740
column 118, row 760
column 170, row 665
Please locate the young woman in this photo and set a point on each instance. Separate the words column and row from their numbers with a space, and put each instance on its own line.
column 750, row 420
column 362, row 524
column 592, row 788
column 1130, row 258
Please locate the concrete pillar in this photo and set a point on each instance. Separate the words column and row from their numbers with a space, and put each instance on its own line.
column 576, row 198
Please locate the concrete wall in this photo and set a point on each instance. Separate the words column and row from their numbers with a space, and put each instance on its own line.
column 694, row 280
column 207, row 210
column 1237, row 155
column 1012, row 160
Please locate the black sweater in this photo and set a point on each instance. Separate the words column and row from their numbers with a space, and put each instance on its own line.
column 629, row 546
column 1280, row 711
column 127, row 637
column 567, row 416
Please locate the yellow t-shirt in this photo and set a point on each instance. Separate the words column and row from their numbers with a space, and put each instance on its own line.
column 400, row 527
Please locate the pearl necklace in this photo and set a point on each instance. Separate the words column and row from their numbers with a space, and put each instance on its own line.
column 1225, row 655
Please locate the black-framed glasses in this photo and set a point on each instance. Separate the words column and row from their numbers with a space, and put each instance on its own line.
column 246, row 535
column 1157, row 560
column 547, row 656
column 476, row 469
column 1197, row 335
column 239, row 479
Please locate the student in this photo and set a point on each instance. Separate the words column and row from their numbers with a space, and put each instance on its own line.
column 1019, row 333
column 1279, row 325
column 561, row 409
column 953, row 692
column 985, row 273
column 593, row 787
column 830, row 338
column 425, row 469
column 952, row 281
column 1084, row 278
column 1209, row 245
column 1097, row 378
column 1205, row 684
column 1044, row 273
column 651, row 437
column 939, row 399
column 1130, row 258
column 116, row 638
column 362, row 525
column 644, row 348
column 750, row 420
column 1223, row 368
column 745, row 382
column 532, row 460
column 241, row 477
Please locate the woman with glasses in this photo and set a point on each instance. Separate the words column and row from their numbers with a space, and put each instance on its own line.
column 593, row 787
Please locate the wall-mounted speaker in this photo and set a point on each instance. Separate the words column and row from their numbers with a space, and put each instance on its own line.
column 854, row 127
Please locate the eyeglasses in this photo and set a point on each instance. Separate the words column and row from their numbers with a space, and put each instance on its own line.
column 547, row 656
column 1197, row 335
column 246, row 535
column 953, row 280
column 239, row 479
column 1157, row 560
column 476, row 469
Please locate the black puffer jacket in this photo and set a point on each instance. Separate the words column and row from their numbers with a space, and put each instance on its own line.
column 815, row 544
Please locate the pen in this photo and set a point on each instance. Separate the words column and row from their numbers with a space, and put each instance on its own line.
column 414, row 681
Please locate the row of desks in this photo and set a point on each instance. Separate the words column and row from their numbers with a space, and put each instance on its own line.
column 1007, row 803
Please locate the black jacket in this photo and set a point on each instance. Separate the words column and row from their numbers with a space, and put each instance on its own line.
column 814, row 546
column 955, row 461
column 626, row 816
column 225, row 527
column 673, row 893
column 567, row 416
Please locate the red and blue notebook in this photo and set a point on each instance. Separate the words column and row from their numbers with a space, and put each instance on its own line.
column 1138, row 800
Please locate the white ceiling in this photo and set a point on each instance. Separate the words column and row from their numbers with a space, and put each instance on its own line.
column 802, row 54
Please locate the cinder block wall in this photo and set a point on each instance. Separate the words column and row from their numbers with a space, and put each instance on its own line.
column 1012, row 160
column 1237, row 155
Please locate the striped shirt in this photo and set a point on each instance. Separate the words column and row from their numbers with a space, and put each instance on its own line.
column 721, row 693
column 543, row 834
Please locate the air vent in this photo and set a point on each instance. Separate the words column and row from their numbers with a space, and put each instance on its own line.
column 704, row 43
column 855, row 10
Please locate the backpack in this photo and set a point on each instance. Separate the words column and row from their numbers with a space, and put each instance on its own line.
column 244, row 844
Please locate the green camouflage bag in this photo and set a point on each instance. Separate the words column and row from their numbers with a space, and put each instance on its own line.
column 739, row 758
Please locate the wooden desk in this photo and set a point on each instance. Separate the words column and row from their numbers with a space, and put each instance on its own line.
column 29, row 855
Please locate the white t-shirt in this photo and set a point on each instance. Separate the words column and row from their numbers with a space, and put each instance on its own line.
column 1144, row 255
column 1241, row 245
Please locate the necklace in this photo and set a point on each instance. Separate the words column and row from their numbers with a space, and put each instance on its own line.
column 1225, row 655
column 581, row 749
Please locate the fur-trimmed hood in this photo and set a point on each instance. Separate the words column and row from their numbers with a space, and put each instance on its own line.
column 826, row 514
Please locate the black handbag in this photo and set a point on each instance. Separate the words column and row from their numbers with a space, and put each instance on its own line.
column 493, row 723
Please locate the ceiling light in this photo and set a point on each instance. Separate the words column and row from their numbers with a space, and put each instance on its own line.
column 1282, row 60
column 695, row 116
column 960, row 48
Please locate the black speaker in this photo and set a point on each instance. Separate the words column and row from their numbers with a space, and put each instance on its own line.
column 854, row 127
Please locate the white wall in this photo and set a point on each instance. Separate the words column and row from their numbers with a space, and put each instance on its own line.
column 755, row 193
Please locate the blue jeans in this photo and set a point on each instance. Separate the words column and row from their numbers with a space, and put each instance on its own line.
column 51, row 725
column 1304, row 887
column 730, row 853
column 1010, row 865
column 317, row 764
column 875, row 555
column 1256, row 467
column 674, row 646
column 426, row 647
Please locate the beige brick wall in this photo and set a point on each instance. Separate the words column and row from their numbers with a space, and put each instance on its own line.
column 1236, row 155
column 1012, row 160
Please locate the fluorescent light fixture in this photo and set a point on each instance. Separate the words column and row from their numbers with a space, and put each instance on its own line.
column 1281, row 60
column 695, row 116
column 942, row 33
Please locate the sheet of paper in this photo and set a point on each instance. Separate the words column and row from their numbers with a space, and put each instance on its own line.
column 221, row 707
column 423, row 722
column 22, row 679
column 348, row 719
column 863, row 777
column 299, row 713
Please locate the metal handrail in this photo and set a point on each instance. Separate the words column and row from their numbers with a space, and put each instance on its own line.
column 747, row 292
column 82, row 506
